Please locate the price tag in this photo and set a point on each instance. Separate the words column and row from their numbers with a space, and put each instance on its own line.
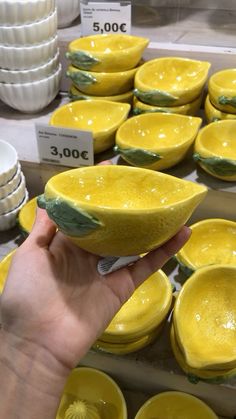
column 63, row 146
column 105, row 17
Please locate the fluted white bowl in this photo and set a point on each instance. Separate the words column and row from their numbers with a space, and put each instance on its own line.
column 8, row 162
column 9, row 219
column 19, row 12
column 10, row 186
column 31, row 97
column 13, row 200
column 67, row 12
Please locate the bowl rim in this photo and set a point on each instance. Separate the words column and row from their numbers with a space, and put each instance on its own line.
column 5, row 48
column 15, row 157
column 218, row 112
column 31, row 70
column 212, row 84
column 92, row 97
column 108, row 74
column 199, row 145
column 26, row 26
column 31, row 84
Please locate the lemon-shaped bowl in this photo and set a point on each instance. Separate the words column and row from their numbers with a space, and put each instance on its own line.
column 191, row 108
column 26, row 216
column 156, row 140
column 4, row 268
column 175, row 405
column 119, row 210
column 215, row 149
column 213, row 114
column 222, row 90
column 108, row 53
column 213, row 241
column 170, row 81
column 91, row 394
column 101, row 117
column 205, row 318
column 75, row 94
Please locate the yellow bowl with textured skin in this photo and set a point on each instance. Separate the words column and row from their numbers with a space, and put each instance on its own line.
column 156, row 141
column 102, row 117
column 119, row 210
column 170, row 81
column 222, row 90
column 4, row 268
column 108, row 53
column 215, row 149
column 75, row 94
column 213, row 114
column 190, row 109
column 27, row 216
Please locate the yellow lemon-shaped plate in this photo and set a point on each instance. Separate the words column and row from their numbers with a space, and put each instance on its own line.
column 175, row 405
column 213, row 114
column 75, row 94
column 101, row 117
column 91, row 394
column 4, row 268
column 213, row 241
column 170, row 81
column 215, row 149
column 205, row 318
column 222, row 90
column 108, row 53
column 27, row 216
column 188, row 109
column 156, row 140
column 119, row 210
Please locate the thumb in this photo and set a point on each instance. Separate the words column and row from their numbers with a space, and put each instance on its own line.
column 43, row 230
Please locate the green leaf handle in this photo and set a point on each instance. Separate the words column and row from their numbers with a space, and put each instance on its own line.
column 77, row 97
column 217, row 165
column 82, row 60
column 224, row 100
column 155, row 97
column 81, row 78
column 138, row 157
column 41, row 202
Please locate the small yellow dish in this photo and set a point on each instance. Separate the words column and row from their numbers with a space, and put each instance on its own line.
column 190, row 109
column 175, row 405
column 170, row 81
column 213, row 114
column 215, row 149
column 205, row 318
column 4, row 268
column 222, row 90
column 109, row 53
column 119, row 210
column 213, row 241
column 102, row 117
column 75, row 94
column 27, row 216
column 156, row 141
column 91, row 394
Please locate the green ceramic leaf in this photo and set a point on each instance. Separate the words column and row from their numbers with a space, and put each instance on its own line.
column 82, row 60
column 81, row 78
column 184, row 268
column 138, row 111
column 155, row 97
column 78, row 97
column 137, row 156
column 217, row 165
column 224, row 100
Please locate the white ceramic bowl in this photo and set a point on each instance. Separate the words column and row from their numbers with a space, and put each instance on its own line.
column 10, row 186
column 8, row 162
column 27, row 57
column 67, row 12
column 12, row 201
column 30, row 34
column 8, row 220
column 31, row 97
column 19, row 12
column 27, row 76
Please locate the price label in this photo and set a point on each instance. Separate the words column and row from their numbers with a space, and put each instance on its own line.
column 63, row 146
column 105, row 17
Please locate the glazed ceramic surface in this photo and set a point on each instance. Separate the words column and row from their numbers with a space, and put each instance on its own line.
column 14, row 199
column 101, row 117
column 19, row 12
column 170, row 81
column 95, row 394
column 8, row 220
column 213, row 114
column 222, row 90
column 205, row 318
column 4, row 268
column 8, row 162
column 189, row 109
column 109, row 53
column 12, row 184
column 67, row 12
column 27, row 216
column 119, row 210
column 75, row 94
column 215, row 149
column 156, row 140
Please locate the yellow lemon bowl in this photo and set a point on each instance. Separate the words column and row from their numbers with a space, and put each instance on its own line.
column 170, row 81
column 215, row 149
column 177, row 405
column 213, row 114
column 75, row 94
column 191, row 108
column 4, row 268
column 101, row 117
column 213, row 241
column 156, row 140
column 26, row 216
column 222, row 90
column 91, row 394
column 143, row 312
column 107, row 53
column 205, row 318
column 119, row 210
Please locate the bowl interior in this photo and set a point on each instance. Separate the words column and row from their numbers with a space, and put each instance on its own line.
column 106, row 43
column 219, row 138
column 8, row 157
column 225, row 79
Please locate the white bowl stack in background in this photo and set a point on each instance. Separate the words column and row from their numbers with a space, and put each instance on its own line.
column 67, row 12
column 30, row 71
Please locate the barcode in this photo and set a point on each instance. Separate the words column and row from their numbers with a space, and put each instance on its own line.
column 50, row 160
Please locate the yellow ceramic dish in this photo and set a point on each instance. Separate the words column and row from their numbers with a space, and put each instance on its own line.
column 119, row 210
column 213, row 114
column 222, row 90
column 109, row 53
column 91, row 394
column 4, row 268
column 175, row 405
column 156, row 140
column 27, row 216
column 170, row 81
column 75, row 94
column 205, row 318
column 215, row 149
column 102, row 117
column 190, row 109
column 213, row 241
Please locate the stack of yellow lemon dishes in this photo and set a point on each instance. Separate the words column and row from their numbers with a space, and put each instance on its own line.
column 221, row 100
column 170, row 84
column 203, row 334
column 104, row 66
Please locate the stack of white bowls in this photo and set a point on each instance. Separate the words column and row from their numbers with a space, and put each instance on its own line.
column 67, row 12
column 13, row 193
column 29, row 57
